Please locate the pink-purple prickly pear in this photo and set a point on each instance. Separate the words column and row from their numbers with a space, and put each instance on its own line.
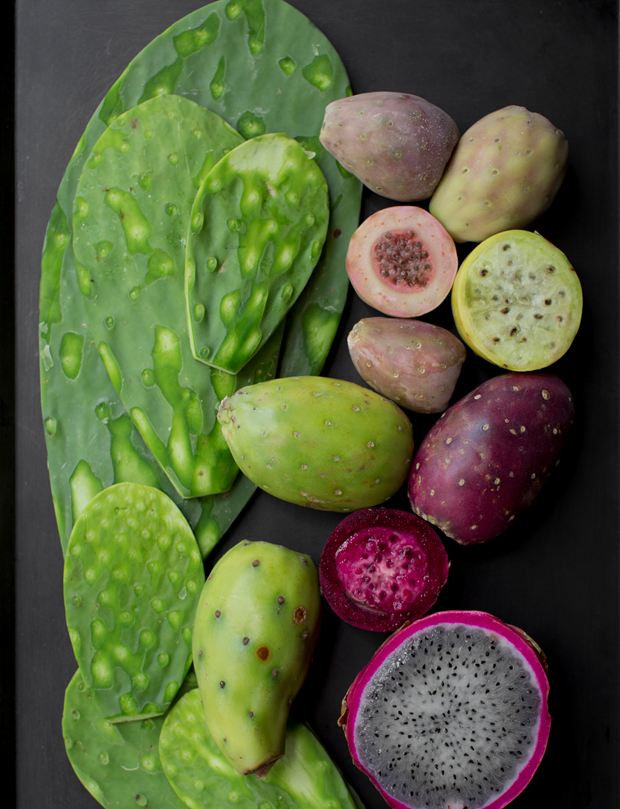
column 397, row 144
column 486, row 459
column 256, row 628
column 503, row 174
column 413, row 363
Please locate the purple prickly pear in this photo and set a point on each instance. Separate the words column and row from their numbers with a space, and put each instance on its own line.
column 486, row 459
column 397, row 144
column 413, row 363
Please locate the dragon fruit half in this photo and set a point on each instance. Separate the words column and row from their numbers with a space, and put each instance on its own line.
column 450, row 713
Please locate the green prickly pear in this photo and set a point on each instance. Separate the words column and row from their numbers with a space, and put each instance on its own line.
column 324, row 443
column 504, row 172
column 256, row 628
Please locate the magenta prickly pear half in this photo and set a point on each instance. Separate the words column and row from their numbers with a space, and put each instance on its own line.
column 397, row 144
column 402, row 261
column 487, row 457
column 381, row 567
column 450, row 713
column 413, row 363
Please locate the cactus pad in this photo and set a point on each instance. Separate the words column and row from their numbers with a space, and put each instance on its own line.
column 257, row 230
column 133, row 576
column 256, row 627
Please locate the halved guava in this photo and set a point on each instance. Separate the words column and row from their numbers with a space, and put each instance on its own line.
column 402, row 261
column 517, row 301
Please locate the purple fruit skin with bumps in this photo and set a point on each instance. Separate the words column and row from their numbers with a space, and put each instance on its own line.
column 488, row 456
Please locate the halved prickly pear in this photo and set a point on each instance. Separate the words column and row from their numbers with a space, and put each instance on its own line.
column 517, row 301
column 402, row 261
column 256, row 628
column 504, row 173
column 305, row 776
column 397, row 144
column 486, row 459
column 257, row 228
column 132, row 579
column 452, row 711
column 381, row 567
column 319, row 442
column 413, row 363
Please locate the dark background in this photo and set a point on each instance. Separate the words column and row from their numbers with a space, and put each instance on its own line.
column 556, row 573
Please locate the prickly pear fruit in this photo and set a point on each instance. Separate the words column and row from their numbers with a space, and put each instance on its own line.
column 402, row 261
column 381, row 567
column 256, row 628
column 413, row 363
column 504, row 173
column 517, row 301
column 486, row 459
column 319, row 442
column 397, row 144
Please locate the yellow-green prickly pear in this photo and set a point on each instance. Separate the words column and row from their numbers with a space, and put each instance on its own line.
column 256, row 628
column 319, row 442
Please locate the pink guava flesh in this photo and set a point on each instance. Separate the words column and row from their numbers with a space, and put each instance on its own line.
column 450, row 713
column 381, row 567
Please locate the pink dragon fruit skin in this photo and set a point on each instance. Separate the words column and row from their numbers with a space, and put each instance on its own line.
column 358, row 704
column 488, row 456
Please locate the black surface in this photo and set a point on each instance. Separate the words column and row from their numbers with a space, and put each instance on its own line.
column 556, row 573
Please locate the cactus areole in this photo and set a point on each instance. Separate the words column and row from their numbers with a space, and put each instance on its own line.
column 402, row 261
column 450, row 713
column 381, row 567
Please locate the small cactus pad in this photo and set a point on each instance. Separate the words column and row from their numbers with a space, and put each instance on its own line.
column 132, row 578
column 304, row 778
column 119, row 764
column 131, row 216
column 323, row 443
column 258, row 226
column 504, row 173
column 517, row 301
column 256, row 628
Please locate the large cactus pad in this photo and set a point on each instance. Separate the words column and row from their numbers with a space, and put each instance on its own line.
column 257, row 230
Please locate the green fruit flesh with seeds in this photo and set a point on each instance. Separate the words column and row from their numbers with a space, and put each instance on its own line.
column 319, row 442
column 256, row 628
column 517, row 301
column 132, row 579
column 304, row 778
column 258, row 226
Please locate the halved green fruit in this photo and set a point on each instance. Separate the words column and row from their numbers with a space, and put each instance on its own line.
column 517, row 301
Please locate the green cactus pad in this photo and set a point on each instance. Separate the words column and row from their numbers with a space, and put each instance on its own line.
column 256, row 628
column 132, row 579
column 257, row 230
column 318, row 442
column 517, row 301
column 119, row 764
column 304, row 778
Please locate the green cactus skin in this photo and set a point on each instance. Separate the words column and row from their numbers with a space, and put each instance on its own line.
column 119, row 764
column 503, row 174
column 256, row 628
column 132, row 579
column 304, row 778
column 291, row 98
column 242, row 278
column 318, row 442
column 132, row 212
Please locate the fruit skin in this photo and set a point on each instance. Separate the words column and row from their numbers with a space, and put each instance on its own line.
column 504, row 173
column 397, row 144
column 488, row 456
column 426, row 281
column 381, row 567
column 318, row 442
column 256, row 628
column 528, row 648
column 517, row 301
column 413, row 363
